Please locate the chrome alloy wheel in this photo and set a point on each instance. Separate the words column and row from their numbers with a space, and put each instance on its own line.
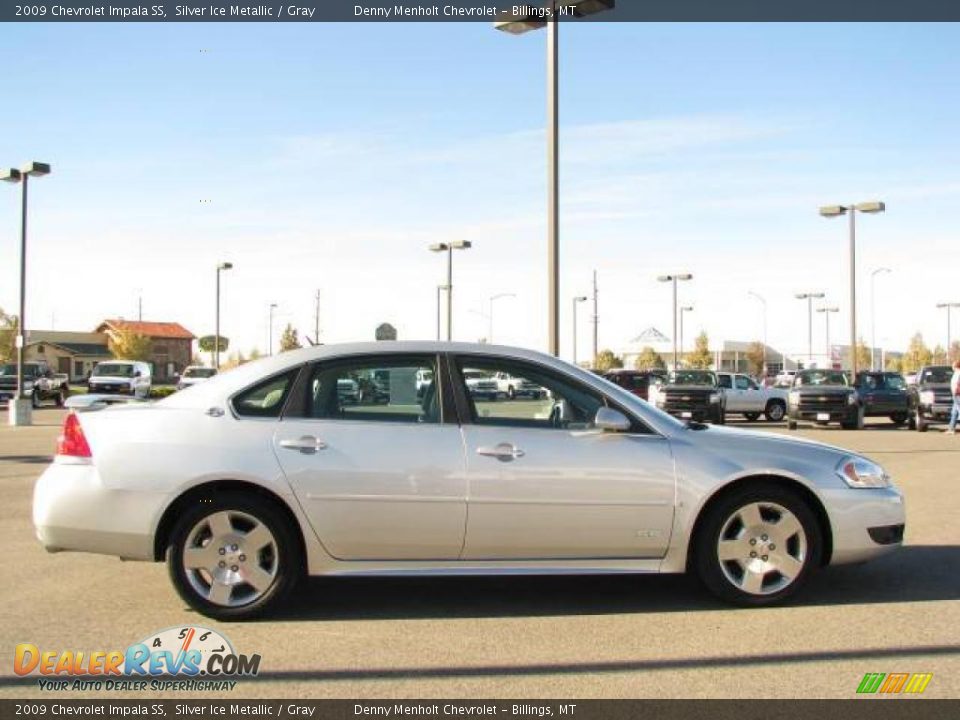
column 230, row 558
column 762, row 548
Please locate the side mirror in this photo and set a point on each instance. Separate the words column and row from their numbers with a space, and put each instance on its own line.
column 136, row 373
column 611, row 420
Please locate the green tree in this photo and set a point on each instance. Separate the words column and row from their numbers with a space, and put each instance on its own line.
column 916, row 356
column 126, row 344
column 8, row 334
column 649, row 359
column 863, row 355
column 606, row 360
column 939, row 355
column 289, row 339
column 894, row 364
column 756, row 358
column 701, row 358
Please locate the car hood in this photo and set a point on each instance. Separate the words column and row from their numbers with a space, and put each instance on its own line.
column 110, row 379
column 690, row 388
column 823, row 390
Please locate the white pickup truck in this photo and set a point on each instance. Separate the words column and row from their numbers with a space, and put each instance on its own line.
column 744, row 397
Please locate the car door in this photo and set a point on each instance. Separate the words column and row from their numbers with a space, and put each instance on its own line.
column 747, row 394
column 380, row 476
column 730, row 393
column 544, row 484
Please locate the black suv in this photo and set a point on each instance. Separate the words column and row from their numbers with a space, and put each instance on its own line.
column 884, row 394
column 692, row 395
column 824, row 396
column 930, row 399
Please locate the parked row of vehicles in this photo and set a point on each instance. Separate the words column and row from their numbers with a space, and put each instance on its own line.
column 821, row 396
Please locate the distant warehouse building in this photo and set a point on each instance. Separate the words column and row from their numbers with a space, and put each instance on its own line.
column 70, row 353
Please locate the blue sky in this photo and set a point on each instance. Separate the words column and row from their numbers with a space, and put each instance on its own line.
column 328, row 156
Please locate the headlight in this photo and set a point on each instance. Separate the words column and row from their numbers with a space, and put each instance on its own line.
column 714, row 398
column 928, row 397
column 852, row 398
column 861, row 473
column 794, row 398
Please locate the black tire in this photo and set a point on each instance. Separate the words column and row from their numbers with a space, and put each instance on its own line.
column 711, row 571
column 775, row 411
column 791, row 424
column 899, row 418
column 61, row 397
column 751, row 416
column 856, row 423
column 511, row 393
column 919, row 422
column 35, row 399
column 289, row 559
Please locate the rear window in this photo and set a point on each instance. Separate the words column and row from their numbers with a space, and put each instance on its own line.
column 265, row 399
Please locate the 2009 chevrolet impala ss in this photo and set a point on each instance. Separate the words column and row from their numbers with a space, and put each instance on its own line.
column 384, row 459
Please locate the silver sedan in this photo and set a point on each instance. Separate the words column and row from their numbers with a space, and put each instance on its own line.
column 267, row 473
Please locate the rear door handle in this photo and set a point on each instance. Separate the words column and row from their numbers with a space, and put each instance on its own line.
column 307, row 444
column 504, row 452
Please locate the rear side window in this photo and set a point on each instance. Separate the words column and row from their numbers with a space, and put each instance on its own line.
column 724, row 381
column 266, row 398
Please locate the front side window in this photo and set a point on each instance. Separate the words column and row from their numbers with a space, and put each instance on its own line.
column 266, row 398
column 380, row 389
column 724, row 381
column 744, row 383
column 539, row 399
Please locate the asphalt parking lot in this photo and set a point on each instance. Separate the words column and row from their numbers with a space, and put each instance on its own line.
column 573, row 637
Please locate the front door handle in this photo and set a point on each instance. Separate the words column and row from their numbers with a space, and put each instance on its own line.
column 307, row 444
column 503, row 452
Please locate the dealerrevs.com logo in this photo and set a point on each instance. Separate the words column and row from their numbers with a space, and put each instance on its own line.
column 180, row 658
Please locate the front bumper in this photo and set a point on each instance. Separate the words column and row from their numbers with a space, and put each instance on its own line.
column 74, row 510
column 110, row 390
column 866, row 523
column 935, row 412
column 822, row 415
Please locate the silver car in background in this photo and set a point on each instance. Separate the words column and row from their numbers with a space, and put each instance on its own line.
column 267, row 473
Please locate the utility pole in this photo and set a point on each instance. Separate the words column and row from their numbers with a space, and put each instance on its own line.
column 596, row 319
column 316, row 320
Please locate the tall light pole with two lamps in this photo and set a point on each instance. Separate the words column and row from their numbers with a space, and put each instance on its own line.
column 21, row 406
column 873, row 316
column 449, row 248
column 576, row 301
column 685, row 309
column 532, row 19
column 809, row 297
column 826, row 314
column 216, row 341
column 673, row 279
column 830, row 211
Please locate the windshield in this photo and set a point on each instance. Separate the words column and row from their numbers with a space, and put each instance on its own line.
column 895, row 382
column 8, row 369
column 113, row 370
column 937, row 375
column 693, row 377
column 199, row 373
column 820, row 377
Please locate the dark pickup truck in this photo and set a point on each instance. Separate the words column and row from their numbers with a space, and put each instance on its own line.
column 884, row 394
column 39, row 383
column 824, row 396
column 691, row 395
column 930, row 400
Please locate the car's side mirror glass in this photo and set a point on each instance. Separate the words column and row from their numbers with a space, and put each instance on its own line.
column 611, row 420
column 136, row 373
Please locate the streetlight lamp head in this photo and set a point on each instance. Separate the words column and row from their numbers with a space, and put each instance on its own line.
column 519, row 25
column 524, row 18
column 225, row 266
column 580, row 298
column 36, row 169
column 439, row 247
column 11, row 175
column 833, row 210
column 685, row 276
column 461, row 244
column 871, row 207
column 688, row 308
column 664, row 278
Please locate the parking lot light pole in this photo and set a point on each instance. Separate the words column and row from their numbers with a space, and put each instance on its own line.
column 826, row 314
column 273, row 306
column 518, row 24
column 873, row 316
column 763, row 302
column 830, row 211
column 449, row 248
column 673, row 279
column 949, row 337
column 494, row 298
column 576, row 300
column 809, row 297
column 686, row 309
column 216, row 341
column 20, row 406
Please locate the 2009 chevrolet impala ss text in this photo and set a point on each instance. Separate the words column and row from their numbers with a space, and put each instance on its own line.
column 405, row 458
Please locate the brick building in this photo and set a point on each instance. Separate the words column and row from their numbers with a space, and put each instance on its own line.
column 171, row 344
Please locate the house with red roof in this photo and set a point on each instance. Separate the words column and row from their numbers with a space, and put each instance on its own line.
column 171, row 344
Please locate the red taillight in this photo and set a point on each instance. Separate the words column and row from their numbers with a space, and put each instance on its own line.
column 72, row 441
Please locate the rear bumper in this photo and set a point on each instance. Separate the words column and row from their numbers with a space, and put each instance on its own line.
column 73, row 510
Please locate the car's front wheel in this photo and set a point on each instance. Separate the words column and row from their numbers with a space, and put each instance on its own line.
column 757, row 545
column 775, row 411
column 233, row 556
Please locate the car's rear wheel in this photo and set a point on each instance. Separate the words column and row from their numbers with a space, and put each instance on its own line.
column 233, row 557
column 757, row 545
column 775, row 411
